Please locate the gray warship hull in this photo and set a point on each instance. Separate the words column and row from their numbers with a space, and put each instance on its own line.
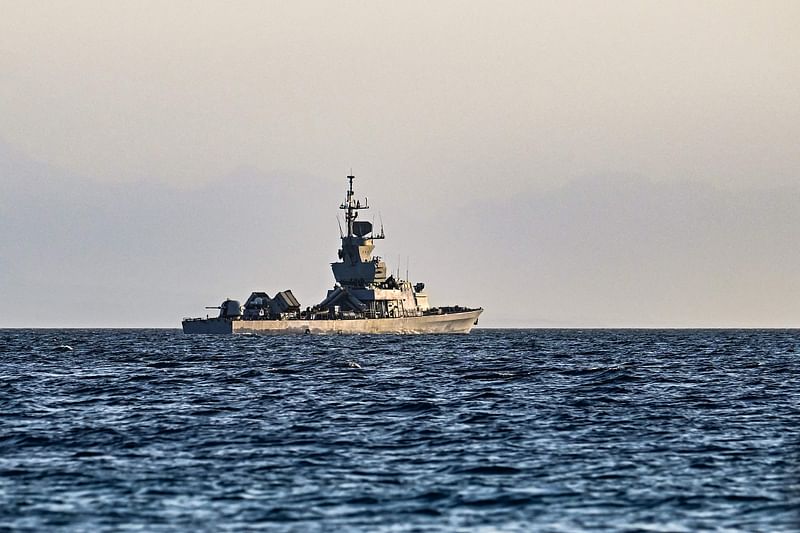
column 461, row 322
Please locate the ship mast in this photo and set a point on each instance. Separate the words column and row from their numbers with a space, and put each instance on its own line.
column 352, row 206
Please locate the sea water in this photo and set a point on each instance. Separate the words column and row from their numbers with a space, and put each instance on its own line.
column 499, row 430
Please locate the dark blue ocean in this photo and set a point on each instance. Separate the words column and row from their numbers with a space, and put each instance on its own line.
column 500, row 430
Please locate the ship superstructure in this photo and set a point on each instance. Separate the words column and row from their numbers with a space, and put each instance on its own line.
column 365, row 298
column 362, row 284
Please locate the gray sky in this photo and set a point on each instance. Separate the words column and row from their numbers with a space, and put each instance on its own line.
column 558, row 163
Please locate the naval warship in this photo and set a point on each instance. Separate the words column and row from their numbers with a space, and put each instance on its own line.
column 365, row 299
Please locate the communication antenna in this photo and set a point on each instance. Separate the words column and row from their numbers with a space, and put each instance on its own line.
column 339, row 223
column 408, row 260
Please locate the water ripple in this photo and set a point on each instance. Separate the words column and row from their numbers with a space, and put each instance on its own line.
column 512, row 430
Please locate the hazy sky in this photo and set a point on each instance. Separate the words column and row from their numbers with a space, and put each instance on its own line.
column 559, row 163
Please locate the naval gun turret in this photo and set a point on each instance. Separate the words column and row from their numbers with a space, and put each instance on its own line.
column 228, row 309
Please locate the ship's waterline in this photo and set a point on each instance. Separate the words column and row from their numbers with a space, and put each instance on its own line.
column 366, row 298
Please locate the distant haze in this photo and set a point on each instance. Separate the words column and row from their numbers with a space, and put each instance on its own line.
column 558, row 163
